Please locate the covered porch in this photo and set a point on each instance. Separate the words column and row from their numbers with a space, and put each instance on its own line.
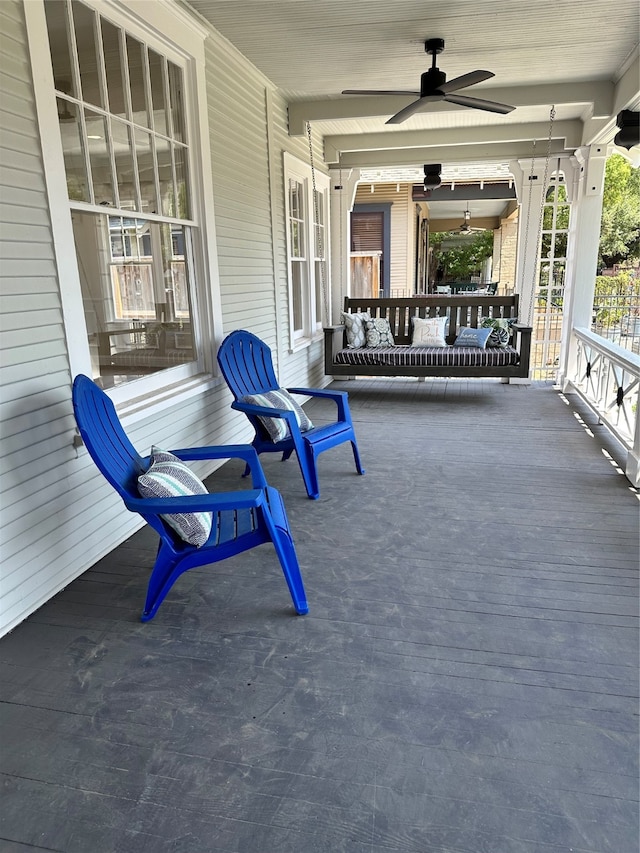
column 466, row 679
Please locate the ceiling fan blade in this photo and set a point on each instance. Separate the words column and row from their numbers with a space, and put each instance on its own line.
column 479, row 104
column 380, row 92
column 414, row 107
column 465, row 80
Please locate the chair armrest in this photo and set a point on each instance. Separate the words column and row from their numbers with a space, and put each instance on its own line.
column 230, row 451
column 318, row 392
column 340, row 398
column 521, row 328
column 264, row 411
column 249, row 499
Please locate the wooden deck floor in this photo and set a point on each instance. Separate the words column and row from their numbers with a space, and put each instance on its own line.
column 465, row 681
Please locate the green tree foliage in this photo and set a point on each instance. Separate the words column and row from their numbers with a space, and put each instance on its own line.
column 620, row 230
column 465, row 259
column 616, row 297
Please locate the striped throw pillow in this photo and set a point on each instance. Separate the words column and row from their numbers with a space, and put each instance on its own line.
column 169, row 477
column 278, row 428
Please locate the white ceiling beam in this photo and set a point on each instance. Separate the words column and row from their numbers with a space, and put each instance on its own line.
column 598, row 96
column 500, row 151
column 570, row 131
column 626, row 97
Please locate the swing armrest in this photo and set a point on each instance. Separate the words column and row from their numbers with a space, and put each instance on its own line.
column 334, row 341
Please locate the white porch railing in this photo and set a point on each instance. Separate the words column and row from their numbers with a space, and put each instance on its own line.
column 607, row 378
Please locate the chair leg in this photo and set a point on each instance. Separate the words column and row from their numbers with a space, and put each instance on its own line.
column 286, row 552
column 356, row 456
column 286, row 454
column 289, row 562
column 309, row 471
column 163, row 576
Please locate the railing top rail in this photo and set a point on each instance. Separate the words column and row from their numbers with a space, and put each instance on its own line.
column 629, row 360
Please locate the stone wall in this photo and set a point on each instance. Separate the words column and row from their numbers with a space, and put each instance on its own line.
column 505, row 249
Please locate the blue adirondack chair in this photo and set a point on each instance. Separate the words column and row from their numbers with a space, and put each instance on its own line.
column 247, row 366
column 241, row 519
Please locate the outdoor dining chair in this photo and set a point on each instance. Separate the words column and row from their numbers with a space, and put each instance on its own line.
column 280, row 423
column 196, row 528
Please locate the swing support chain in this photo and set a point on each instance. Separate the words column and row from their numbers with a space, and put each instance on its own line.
column 535, row 276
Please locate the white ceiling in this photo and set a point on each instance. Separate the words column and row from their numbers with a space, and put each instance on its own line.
column 580, row 57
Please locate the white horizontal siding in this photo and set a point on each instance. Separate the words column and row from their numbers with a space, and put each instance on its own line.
column 252, row 254
column 59, row 515
column 240, row 167
column 34, row 373
column 303, row 367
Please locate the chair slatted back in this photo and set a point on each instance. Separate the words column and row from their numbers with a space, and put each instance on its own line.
column 246, row 364
column 104, row 437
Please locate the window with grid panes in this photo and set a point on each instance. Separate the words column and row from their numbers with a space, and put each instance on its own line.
column 307, row 249
column 121, row 115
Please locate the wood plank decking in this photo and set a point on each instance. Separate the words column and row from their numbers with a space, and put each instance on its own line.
column 465, row 681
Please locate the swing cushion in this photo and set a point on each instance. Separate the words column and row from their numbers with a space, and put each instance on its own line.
column 278, row 428
column 169, row 477
column 355, row 328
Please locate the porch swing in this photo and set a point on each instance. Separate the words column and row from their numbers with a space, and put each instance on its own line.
column 462, row 351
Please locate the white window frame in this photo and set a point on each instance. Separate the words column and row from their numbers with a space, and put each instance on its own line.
column 298, row 170
column 175, row 34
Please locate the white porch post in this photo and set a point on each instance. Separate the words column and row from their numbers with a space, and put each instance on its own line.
column 530, row 190
column 341, row 197
column 587, row 166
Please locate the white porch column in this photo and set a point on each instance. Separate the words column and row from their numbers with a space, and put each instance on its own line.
column 530, row 190
column 341, row 197
column 588, row 166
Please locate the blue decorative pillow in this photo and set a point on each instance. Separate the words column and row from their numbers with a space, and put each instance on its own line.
column 169, row 477
column 278, row 428
column 468, row 337
column 500, row 330
column 379, row 332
